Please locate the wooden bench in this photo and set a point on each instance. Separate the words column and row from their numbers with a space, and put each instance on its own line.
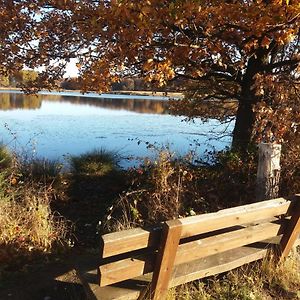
column 140, row 261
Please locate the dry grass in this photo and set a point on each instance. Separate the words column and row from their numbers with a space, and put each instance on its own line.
column 264, row 280
column 171, row 187
column 27, row 223
column 159, row 191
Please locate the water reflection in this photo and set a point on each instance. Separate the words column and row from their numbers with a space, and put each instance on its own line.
column 11, row 101
column 19, row 101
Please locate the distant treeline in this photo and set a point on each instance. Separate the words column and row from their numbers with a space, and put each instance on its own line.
column 18, row 78
column 127, row 84
column 74, row 83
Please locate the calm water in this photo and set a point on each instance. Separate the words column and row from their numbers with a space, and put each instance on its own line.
column 54, row 126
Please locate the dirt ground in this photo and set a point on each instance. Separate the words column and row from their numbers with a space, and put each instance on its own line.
column 54, row 280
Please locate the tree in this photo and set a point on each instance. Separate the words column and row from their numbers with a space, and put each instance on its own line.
column 239, row 49
column 22, row 77
column 70, row 84
column 28, row 75
column 4, row 81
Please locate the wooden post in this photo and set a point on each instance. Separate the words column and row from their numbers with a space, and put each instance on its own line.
column 291, row 233
column 165, row 259
column 268, row 172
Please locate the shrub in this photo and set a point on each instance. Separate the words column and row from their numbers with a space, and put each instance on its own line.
column 159, row 190
column 290, row 169
column 171, row 187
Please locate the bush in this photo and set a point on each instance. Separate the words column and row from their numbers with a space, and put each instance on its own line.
column 173, row 187
column 290, row 170
column 160, row 190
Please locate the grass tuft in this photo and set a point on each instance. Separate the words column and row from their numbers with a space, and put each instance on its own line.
column 27, row 223
column 40, row 170
column 96, row 162
column 6, row 158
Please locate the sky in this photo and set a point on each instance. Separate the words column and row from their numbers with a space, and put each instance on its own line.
column 71, row 69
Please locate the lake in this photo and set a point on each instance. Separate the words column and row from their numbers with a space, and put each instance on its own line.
column 57, row 125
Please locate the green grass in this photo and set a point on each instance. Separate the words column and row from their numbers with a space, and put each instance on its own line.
column 96, row 162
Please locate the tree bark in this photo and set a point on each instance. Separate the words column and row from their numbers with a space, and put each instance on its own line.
column 243, row 127
column 245, row 117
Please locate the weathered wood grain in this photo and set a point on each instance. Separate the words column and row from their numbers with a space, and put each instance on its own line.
column 216, row 264
column 226, row 241
column 234, row 216
column 138, row 238
column 165, row 258
column 125, row 269
column 129, row 240
column 130, row 268
column 291, row 232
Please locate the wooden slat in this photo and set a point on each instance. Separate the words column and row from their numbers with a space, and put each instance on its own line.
column 125, row 269
column 134, row 239
column 130, row 268
column 291, row 232
column 209, row 266
column 165, row 258
column 216, row 264
column 201, row 268
column 127, row 290
column 234, row 216
column 129, row 240
column 226, row 241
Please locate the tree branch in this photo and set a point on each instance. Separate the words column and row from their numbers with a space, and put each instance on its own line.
column 284, row 63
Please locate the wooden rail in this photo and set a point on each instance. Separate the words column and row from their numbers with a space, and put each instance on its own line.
column 191, row 248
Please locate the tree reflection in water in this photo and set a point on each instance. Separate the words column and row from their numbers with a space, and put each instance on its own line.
column 11, row 101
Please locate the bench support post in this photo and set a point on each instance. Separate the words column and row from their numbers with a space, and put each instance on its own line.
column 164, row 264
column 291, row 233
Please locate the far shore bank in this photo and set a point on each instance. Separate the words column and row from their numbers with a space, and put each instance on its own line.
column 112, row 94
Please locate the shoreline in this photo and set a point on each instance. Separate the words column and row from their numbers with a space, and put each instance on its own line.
column 111, row 95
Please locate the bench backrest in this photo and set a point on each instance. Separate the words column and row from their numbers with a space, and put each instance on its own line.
column 175, row 250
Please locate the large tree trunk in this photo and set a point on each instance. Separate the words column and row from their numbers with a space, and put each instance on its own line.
column 245, row 117
column 243, row 126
